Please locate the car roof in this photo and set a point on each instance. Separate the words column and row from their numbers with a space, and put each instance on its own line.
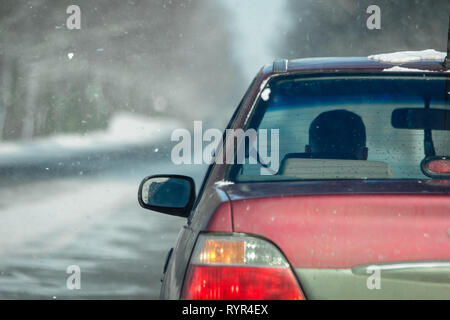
column 348, row 64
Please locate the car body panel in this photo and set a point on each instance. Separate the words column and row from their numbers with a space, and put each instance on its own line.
column 343, row 231
column 345, row 284
column 221, row 220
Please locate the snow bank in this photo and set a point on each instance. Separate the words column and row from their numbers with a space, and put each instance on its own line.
column 124, row 129
column 409, row 56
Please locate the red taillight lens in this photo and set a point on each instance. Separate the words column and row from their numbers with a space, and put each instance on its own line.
column 238, row 267
column 439, row 166
column 240, row 283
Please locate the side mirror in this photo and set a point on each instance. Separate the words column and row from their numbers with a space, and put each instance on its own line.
column 170, row 194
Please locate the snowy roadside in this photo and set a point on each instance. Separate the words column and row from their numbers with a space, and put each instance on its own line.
column 93, row 222
column 129, row 138
column 125, row 130
column 72, row 200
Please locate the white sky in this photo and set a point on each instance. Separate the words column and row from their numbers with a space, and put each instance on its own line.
column 254, row 28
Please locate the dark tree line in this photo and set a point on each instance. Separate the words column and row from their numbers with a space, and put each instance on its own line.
column 338, row 27
column 150, row 57
column 170, row 57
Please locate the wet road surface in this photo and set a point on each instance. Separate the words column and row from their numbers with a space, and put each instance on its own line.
column 91, row 220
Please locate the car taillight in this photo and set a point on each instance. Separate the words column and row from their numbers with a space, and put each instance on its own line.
column 239, row 268
column 436, row 167
column 439, row 166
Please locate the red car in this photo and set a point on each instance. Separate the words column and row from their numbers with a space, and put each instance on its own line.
column 343, row 193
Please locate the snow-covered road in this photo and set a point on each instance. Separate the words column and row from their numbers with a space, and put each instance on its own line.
column 80, row 208
column 92, row 222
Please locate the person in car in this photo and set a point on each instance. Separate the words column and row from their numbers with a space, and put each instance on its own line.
column 337, row 134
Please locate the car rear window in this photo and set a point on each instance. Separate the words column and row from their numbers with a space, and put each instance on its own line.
column 340, row 127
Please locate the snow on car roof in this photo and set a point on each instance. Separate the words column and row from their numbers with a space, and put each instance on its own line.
column 402, row 69
column 409, row 56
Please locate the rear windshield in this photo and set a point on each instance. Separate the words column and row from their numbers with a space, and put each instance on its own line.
column 336, row 127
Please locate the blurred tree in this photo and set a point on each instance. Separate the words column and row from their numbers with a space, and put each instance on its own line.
column 152, row 57
column 338, row 27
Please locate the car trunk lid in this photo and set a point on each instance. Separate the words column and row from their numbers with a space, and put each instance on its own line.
column 356, row 244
